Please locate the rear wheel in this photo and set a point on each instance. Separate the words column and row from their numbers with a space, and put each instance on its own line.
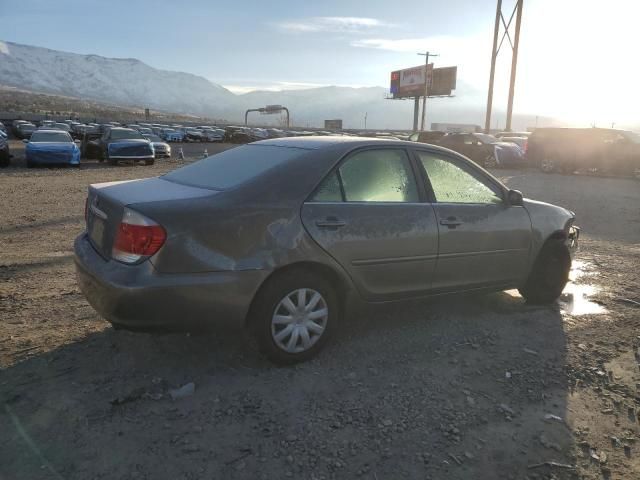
column 293, row 316
column 490, row 161
column 548, row 165
column 549, row 275
column 149, row 162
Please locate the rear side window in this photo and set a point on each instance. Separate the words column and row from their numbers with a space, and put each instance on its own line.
column 382, row 175
column 234, row 166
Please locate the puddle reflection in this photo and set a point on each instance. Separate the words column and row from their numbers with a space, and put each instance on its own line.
column 575, row 299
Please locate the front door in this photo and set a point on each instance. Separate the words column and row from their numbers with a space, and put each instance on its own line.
column 368, row 215
column 484, row 241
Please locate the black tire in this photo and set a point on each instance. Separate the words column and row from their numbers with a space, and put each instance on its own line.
column 30, row 164
column 549, row 275
column 149, row 162
column 269, row 297
column 490, row 161
column 4, row 161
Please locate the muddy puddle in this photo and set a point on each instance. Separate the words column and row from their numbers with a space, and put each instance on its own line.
column 576, row 299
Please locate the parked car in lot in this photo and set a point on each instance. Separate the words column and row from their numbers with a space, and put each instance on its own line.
column 118, row 144
column 59, row 126
column 522, row 142
column 161, row 149
column 601, row 150
column 232, row 240
column 431, row 136
column 24, row 130
column 14, row 126
column 51, row 147
column 193, row 135
column 501, row 135
column 5, row 152
column 211, row 135
column 171, row 135
column 484, row 149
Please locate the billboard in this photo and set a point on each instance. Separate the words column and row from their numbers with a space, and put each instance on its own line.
column 333, row 124
column 410, row 81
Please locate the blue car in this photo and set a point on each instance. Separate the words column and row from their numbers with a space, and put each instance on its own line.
column 171, row 135
column 51, row 147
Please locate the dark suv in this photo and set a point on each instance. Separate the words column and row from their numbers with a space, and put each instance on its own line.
column 568, row 150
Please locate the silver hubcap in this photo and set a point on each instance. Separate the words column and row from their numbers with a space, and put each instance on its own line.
column 299, row 320
column 547, row 165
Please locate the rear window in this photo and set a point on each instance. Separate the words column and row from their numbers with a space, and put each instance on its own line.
column 234, row 166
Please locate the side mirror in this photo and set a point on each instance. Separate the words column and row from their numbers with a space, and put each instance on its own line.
column 77, row 141
column 515, row 198
column 25, row 140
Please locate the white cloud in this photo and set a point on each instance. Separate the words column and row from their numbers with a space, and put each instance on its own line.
column 333, row 24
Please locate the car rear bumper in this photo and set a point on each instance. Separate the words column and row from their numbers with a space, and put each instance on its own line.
column 139, row 296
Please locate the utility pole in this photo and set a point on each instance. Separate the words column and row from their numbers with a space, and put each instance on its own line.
column 514, row 64
column 514, row 43
column 426, row 85
column 492, row 74
column 416, row 110
column 365, row 120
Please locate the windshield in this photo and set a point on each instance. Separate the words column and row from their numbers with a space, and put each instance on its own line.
column 233, row 167
column 50, row 137
column 125, row 134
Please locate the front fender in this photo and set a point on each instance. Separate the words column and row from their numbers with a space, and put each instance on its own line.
column 548, row 221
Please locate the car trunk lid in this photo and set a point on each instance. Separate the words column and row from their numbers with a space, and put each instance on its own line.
column 106, row 203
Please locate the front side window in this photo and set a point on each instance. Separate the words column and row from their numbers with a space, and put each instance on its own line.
column 383, row 175
column 453, row 184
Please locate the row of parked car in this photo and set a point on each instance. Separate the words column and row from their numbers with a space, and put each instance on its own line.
column 564, row 150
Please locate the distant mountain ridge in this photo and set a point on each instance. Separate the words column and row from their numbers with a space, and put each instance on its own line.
column 124, row 81
column 130, row 82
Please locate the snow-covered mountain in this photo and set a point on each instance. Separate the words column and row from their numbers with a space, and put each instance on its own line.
column 123, row 81
column 130, row 82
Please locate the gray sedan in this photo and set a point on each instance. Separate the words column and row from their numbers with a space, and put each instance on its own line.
column 280, row 235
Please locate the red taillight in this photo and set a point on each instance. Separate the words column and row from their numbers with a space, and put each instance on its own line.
column 137, row 237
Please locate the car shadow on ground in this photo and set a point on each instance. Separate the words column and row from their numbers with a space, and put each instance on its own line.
column 457, row 387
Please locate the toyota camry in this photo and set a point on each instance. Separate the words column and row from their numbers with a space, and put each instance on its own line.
column 279, row 235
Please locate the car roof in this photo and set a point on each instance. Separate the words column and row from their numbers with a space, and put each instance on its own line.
column 320, row 142
column 52, row 130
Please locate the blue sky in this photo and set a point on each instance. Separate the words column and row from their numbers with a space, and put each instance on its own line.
column 291, row 44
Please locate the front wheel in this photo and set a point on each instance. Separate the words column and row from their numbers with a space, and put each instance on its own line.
column 293, row 316
column 549, row 275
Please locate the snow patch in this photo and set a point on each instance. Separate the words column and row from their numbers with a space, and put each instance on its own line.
column 4, row 48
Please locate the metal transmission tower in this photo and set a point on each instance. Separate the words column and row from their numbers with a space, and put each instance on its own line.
column 514, row 43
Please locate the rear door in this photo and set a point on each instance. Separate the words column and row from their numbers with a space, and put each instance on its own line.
column 484, row 241
column 369, row 215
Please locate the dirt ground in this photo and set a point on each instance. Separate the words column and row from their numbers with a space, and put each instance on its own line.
column 481, row 387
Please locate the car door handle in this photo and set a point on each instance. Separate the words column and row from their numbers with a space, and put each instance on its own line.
column 330, row 222
column 451, row 222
